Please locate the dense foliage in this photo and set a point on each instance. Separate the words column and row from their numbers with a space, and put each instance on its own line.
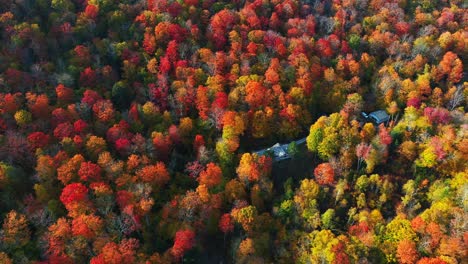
column 128, row 130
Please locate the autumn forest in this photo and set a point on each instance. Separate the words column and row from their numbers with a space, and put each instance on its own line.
column 244, row 131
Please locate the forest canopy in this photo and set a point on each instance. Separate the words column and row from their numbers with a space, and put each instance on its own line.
column 140, row 131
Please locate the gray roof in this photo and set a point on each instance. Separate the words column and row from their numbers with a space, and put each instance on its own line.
column 379, row 116
column 280, row 152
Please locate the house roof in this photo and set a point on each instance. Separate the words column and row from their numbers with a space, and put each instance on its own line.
column 379, row 116
column 280, row 152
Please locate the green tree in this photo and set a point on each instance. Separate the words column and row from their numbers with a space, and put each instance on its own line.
column 328, row 219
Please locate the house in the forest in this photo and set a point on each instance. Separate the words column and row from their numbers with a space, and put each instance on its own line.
column 280, row 152
column 377, row 117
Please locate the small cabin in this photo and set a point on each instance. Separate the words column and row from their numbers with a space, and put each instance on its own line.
column 278, row 151
column 376, row 117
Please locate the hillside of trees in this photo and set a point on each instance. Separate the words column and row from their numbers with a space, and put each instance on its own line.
column 128, row 131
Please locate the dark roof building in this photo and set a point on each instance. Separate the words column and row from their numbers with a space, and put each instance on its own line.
column 377, row 117
column 278, row 151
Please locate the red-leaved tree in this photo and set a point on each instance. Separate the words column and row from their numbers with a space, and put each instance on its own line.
column 184, row 240
column 324, row 174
